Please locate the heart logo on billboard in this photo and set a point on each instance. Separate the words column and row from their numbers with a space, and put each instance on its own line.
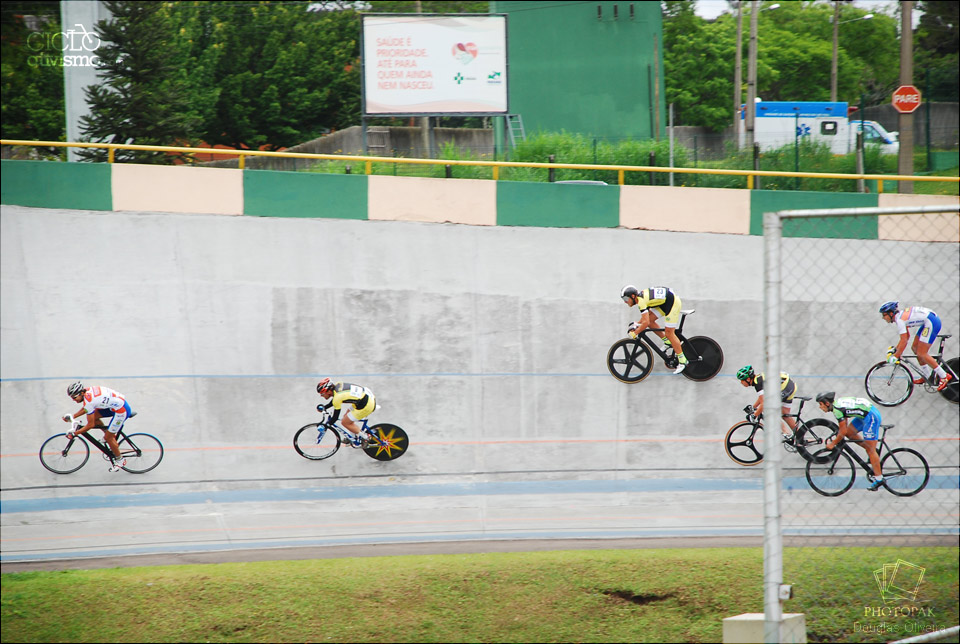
column 465, row 52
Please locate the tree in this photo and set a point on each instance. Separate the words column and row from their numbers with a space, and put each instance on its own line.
column 935, row 55
column 31, row 73
column 143, row 98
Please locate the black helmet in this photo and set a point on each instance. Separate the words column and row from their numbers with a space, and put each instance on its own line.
column 826, row 396
column 75, row 389
column 628, row 292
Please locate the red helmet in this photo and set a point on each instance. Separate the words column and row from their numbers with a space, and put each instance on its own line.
column 325, row 388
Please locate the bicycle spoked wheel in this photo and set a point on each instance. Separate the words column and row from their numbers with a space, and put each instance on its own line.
column 744, row 443
column 831, row 472
column 316, row 442
column 142, row 451
column 705, row 358
column 905, row 471
column 629, row 360
column 888, row 384
column 390, row 442
column 61, row 455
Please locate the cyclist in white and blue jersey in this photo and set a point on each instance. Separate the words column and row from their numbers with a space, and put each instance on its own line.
column 855, row 416
column 927, row 323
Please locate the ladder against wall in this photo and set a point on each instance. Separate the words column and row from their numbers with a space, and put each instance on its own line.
column 515, row 129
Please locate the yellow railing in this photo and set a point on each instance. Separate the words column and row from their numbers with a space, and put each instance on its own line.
column 368, row 162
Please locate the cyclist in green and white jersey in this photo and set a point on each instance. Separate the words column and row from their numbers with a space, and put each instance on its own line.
column 855, row 416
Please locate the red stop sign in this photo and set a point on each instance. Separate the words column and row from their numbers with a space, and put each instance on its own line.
column 906, row 99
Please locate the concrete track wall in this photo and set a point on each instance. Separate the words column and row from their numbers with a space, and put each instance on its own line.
column 217, row 328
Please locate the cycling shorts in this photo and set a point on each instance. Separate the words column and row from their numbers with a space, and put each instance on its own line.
column 117, row 418
column 930, row 329
column 868, row 426
column 671, row 318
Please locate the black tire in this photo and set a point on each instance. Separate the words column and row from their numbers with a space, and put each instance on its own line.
column 811, row 435
column 888, row 384
column 829, row 473
column 310, row 444
column 629, row 360
column 952, row 391
column 63, row 456
column 391, row 442
column 905, row 471
column 142, row 451
column 744, row 443
column 710, row 359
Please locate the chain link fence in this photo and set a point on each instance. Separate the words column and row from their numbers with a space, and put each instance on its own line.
column 830, row 275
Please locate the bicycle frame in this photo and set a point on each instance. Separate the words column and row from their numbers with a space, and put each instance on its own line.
column 102, row 446
column 655, row 344
column 912, row 363
column 864, row 464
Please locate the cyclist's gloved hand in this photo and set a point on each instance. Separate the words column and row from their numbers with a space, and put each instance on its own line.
column 632, row 330
column 892, row 359
column 70, row 436
column 67, row 418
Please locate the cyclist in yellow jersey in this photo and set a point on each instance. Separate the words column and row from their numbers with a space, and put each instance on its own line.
column 657, row 303
column 356, row 403
column 748, row 378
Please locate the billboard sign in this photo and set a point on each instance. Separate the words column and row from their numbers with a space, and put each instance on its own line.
column 419, row 64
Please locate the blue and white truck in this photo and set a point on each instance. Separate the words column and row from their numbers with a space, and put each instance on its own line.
column 778, row 123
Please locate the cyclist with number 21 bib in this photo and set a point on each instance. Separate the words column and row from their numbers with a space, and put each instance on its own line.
column 657, row 303
column 929, row 327
column 101, row 402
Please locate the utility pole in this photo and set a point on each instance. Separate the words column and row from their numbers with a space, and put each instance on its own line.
column 905, row 121
column 738, row 73
column 752, row 74
column 424, row 121
column 833, row 63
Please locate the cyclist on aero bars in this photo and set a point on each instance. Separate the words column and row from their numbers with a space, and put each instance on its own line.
column 101, row 402
column 656, row 303
column 343, row 393
column 928, row 324
column 855, row 415
column 748, row 378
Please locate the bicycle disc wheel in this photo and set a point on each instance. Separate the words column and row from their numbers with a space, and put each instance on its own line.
column 142, row 451
column 390, row 442
column 831, row 474
column 629, row 360
column 744, row 443
column 952, row 391
column 905, row 472
column 63, row 456
column 315, row 445
column 811, row 435
column 888, row 384
column 710, row 358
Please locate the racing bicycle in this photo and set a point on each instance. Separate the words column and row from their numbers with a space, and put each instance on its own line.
column 892, row 384
column 831, row 472
column 62, row 455
column 630, row 360
column 318, row 441
column 744, row 441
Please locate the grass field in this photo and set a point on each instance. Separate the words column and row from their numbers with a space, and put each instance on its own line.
column 678, row 595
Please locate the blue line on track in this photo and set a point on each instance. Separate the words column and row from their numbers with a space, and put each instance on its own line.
column 438, row 374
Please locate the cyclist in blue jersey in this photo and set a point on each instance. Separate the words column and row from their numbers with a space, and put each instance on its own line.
column 855, row 416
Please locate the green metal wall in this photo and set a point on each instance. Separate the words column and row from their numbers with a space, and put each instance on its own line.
column 522, row 203
column 53, row 184
column 268, row 193
column 762, row 201
column 569, row 70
